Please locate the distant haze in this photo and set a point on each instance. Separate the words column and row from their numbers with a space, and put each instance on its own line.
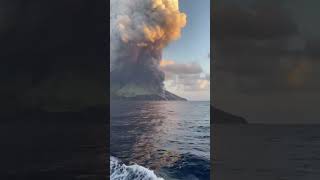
column 266, row 65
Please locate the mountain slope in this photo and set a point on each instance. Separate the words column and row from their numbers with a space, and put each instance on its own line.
column 221, row 117
column 143, row 94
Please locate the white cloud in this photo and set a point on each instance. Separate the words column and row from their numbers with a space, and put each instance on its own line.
column 187, row 77
column 191, row 68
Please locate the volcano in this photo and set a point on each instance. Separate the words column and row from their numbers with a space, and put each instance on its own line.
column 141, row 93
column 139, row 31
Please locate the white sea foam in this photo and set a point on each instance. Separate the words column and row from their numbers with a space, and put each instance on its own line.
column 119, row 171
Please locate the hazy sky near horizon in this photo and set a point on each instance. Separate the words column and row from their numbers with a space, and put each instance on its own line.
column 188, row 63
column 266, row 66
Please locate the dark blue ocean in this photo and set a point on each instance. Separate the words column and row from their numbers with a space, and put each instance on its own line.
column 160, row 140
column 266, row 152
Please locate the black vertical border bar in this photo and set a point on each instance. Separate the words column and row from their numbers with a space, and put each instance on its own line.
column 107, row 51
column 213, row 6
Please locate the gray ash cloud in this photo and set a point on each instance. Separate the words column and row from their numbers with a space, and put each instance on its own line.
column 139, row 30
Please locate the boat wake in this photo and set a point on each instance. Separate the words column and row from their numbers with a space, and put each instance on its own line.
column 120, row 171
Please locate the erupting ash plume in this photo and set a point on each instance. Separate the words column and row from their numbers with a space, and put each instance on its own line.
column 139, row 30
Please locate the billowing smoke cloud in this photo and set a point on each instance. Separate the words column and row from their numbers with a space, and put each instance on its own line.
column 140, row 29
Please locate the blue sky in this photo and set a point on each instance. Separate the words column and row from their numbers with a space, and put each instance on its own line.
column 194, row 44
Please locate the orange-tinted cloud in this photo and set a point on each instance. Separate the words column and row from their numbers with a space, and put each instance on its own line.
column 166, row 62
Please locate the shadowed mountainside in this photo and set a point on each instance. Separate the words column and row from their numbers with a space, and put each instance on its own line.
column 168, row 96
column 221, row 117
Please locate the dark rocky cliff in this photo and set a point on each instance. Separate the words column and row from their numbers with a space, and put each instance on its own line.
column 221, row 117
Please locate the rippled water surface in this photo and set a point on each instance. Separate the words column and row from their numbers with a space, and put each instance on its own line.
column 170, row 138
column 267, row 152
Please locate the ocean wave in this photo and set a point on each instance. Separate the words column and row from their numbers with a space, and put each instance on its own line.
column 189, row 167
column 120, row 171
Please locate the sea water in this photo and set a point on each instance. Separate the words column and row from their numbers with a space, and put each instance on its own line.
column 153, row 140
column 266, row 152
